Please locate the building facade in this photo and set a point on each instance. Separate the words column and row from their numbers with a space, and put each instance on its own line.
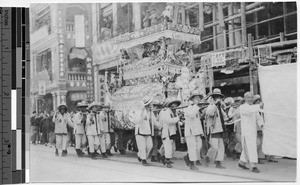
column 61, row 40
column 235, row 34
column 76, row 56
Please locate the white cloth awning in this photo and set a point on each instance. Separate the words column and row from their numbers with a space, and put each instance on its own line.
column 174, row 35
column 278, row 85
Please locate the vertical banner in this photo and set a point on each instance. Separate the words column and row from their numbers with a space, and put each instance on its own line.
column 42, row 88
column 206, row 65
column 102, row 88
column 278, row 84
column 89, row 79
column 79, row 31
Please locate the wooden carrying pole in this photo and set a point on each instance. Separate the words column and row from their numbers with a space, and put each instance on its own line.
column 250, row 53
column 243, row 21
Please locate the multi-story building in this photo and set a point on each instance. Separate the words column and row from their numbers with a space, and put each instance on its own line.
column 75, row 52
column 61, row 40
column 234, row 33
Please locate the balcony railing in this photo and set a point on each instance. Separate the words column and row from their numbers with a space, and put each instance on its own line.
column 77, row 79
column 69, row 27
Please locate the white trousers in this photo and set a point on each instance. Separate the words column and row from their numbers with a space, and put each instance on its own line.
column 217, row 149
column 80, row 141
column 61, row 141
column 93, row 143
column 144, row 144
column 104, row 142
column 194, row 144
column 169, row 147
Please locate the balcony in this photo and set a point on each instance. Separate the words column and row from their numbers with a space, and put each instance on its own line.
column 77, row 80
column 70, row 27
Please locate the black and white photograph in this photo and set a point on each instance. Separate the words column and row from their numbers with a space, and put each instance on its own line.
column 139, row 92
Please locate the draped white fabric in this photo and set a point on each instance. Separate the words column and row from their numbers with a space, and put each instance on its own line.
column 278, row 86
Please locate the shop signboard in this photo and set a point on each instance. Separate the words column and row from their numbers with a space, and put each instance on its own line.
column 79, row 31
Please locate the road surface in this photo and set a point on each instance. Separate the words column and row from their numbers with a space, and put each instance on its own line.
column 46, row 167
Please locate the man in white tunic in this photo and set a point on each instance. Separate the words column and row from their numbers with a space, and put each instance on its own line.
column 144, row 130
column 105, row 130
column 193, row 132
column 61, row 120
column 250, row 119
column 79, row 130
column 93, row 129
column 168, row 119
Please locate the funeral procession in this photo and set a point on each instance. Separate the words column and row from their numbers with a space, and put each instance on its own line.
column 163, row 92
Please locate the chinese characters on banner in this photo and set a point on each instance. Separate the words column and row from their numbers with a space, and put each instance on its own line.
column 206, row 65
column 102, row 89
column 218, row 59
column 89, row 79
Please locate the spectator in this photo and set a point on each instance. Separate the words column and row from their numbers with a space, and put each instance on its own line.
column 34, row 128
column 50, row 129
column 44, row 127
column 39, row 126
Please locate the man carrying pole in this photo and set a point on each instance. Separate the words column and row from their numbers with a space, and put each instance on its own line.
column 93, row 129
column 61, row 120
column 144, row 130
column 193, row 132
column 216, row 123
column 105, row 129
column 169, row 118
column 79, row 130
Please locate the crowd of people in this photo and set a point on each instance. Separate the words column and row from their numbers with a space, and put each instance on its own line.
column 211, row 127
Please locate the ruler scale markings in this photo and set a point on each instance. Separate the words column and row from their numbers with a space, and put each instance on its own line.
column 6, row 90
column 14, row 46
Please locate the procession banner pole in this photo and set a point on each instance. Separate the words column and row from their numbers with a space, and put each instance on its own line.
column 250, row 53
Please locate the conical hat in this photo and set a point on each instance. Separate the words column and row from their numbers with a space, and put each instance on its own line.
column 92, row 105
column 62, row 105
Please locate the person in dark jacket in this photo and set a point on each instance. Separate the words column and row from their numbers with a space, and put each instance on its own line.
column 34, row 127
column 50, row 130
column 44, row 128
column 39, row 127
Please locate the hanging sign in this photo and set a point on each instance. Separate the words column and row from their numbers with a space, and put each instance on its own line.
column 263, row 53
column 218, row 59
column 79, row 31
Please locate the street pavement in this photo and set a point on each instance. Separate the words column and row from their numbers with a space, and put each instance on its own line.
column 46, row 167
